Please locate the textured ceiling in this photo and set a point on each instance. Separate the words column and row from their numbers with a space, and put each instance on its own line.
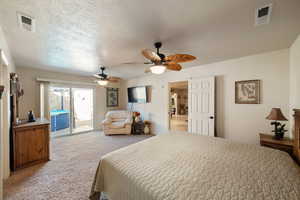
column 79, row 35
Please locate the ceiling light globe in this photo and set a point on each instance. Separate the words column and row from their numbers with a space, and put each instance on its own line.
column 102, row 82
column 158, row 69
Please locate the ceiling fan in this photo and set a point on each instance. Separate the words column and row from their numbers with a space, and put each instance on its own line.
column 161, row 62
column 103, row 79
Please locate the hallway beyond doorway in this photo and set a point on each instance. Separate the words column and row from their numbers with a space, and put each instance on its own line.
column 178, row 106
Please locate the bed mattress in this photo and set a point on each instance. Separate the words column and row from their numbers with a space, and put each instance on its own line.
column 191, row 167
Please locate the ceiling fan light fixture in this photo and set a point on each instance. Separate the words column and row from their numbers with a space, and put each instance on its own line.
column 102, row 82
column 158, row 69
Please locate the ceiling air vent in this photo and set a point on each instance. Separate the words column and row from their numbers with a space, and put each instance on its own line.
column 26, row 22
column 263, row 15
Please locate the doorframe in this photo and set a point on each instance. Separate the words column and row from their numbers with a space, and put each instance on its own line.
column 168, row 103
column 4, row 121
column 70, row 87
column 187, row 78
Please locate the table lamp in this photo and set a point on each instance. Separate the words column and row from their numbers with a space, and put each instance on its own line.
column 277, row 115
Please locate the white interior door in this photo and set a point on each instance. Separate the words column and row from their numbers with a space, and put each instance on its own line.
column 202, row 106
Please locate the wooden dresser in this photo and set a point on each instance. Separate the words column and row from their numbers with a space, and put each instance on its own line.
column 30, row 144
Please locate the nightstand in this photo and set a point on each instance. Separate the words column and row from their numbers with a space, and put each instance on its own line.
column 138, row 128
column 285, row 144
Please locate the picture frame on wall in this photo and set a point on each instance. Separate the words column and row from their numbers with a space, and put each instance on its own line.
column 247, row 92
column 112, row 97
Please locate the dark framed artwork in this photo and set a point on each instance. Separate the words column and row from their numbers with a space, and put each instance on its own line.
column 247, row 92
column 112, row 97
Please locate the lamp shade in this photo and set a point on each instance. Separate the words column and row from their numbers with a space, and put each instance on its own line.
column 276, row 114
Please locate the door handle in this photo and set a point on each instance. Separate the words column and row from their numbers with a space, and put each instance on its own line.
column 211, row 117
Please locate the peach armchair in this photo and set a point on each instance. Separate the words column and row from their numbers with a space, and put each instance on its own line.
column 117, row 122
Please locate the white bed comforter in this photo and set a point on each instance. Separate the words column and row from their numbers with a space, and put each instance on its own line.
column 190, row 167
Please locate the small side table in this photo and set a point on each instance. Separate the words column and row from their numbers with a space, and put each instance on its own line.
column 286, row 144
column 138, row 128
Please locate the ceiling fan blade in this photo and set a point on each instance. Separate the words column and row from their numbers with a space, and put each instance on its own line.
column 96, row 76
column 179, row 58
column 136, row 63
column 113, row 79
column 173, row 66
column 151, row 55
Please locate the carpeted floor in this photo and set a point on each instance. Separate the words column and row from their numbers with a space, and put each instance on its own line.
column 69, row 174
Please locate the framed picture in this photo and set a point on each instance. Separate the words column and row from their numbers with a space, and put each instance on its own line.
column 247, row 92
column 112, row 97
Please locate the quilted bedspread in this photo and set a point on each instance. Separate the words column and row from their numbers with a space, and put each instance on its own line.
column 191, row 167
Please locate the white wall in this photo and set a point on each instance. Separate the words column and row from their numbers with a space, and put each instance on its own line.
column 31, row 99
column 4, row 132
column 237, row 122
column 294, row 77
column 4, row 46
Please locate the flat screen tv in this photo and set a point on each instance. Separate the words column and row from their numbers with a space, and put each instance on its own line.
column 137, row 94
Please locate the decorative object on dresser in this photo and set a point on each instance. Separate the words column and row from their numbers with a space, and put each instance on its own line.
column 247, row 92
column 296, row 133
column 30, row 144
column 112, row 97
column 31, row 117
column 1, row 90
column 285, row 144
column 16, row 92
column 279, row 130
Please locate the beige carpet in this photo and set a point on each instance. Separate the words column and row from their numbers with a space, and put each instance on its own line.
column 69, row 174
column 179, row 123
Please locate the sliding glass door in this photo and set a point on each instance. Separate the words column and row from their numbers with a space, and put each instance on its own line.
column 82, row 109
column 71, row 110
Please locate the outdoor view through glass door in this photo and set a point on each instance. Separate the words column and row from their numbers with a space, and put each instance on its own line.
column 82, row 109
column 71, row 110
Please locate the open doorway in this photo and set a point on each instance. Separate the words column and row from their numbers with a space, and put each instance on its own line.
column 178, row 106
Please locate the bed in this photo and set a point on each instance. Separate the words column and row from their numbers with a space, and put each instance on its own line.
column 191, row 167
